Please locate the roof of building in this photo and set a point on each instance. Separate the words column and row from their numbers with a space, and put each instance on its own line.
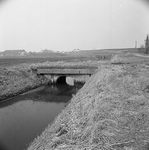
column 15, row 50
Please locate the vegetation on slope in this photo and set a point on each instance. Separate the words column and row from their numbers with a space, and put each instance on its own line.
column 110, row 112
column 18, row 79
column 11, row 61
column 65, row 65
column 128, row 58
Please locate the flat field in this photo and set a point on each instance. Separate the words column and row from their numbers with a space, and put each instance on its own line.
column 84, row 55
column 10, row 61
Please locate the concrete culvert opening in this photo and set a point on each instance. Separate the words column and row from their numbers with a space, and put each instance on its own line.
column 64, row 84
column 65, row 80
column 61, row 80
column 70, row 81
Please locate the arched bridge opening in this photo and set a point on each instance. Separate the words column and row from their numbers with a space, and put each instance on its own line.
column 65, row 80
column 61, row 80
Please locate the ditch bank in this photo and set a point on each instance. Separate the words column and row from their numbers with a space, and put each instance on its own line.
column 17, row 80
column 111, row 111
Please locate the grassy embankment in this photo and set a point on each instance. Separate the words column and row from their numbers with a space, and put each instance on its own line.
column 18, row 79
column 65, row 65
column 110, row 112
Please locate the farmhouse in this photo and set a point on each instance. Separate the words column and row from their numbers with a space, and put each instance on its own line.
column 14, row 53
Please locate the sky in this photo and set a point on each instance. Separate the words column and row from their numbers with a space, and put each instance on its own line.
column 64, row 25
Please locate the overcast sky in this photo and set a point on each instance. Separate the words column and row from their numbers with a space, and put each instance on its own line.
column 64, row 25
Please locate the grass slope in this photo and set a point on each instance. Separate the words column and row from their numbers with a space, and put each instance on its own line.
column 18, row 79
column 110, row 112
column 64, row 65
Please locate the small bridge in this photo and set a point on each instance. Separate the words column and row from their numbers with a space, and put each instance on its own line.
column 59, row 75
column 65, row 71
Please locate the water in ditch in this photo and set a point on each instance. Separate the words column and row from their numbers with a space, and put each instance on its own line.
column 25, row 116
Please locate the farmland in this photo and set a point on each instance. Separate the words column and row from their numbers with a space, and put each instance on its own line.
column 82, row 55
column 22, row 68
column 78, row 56
column 109, row 112
column 11, row 61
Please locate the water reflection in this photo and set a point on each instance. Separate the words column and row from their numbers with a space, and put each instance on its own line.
column 48, row 93
column 24, row 117
column 2, row 146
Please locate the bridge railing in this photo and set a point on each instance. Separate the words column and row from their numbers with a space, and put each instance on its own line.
column 65, row 71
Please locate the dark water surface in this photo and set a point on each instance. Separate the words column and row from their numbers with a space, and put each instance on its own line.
column 24, row 117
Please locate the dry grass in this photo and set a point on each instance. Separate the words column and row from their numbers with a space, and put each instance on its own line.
column 124, row 58
column 17, row 79
column 110, row 112
column 62, row 64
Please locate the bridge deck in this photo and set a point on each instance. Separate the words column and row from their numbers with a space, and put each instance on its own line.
column 65, row 71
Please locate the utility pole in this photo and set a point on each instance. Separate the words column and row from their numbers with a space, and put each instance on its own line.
column 147, row 45
column 135, row 44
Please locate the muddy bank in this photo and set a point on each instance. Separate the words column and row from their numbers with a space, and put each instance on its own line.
column 111, row 111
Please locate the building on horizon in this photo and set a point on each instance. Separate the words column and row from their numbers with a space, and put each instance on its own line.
column 14, row 53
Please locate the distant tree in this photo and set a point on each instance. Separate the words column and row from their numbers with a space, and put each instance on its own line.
column 32, row 53
column 45, row 51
